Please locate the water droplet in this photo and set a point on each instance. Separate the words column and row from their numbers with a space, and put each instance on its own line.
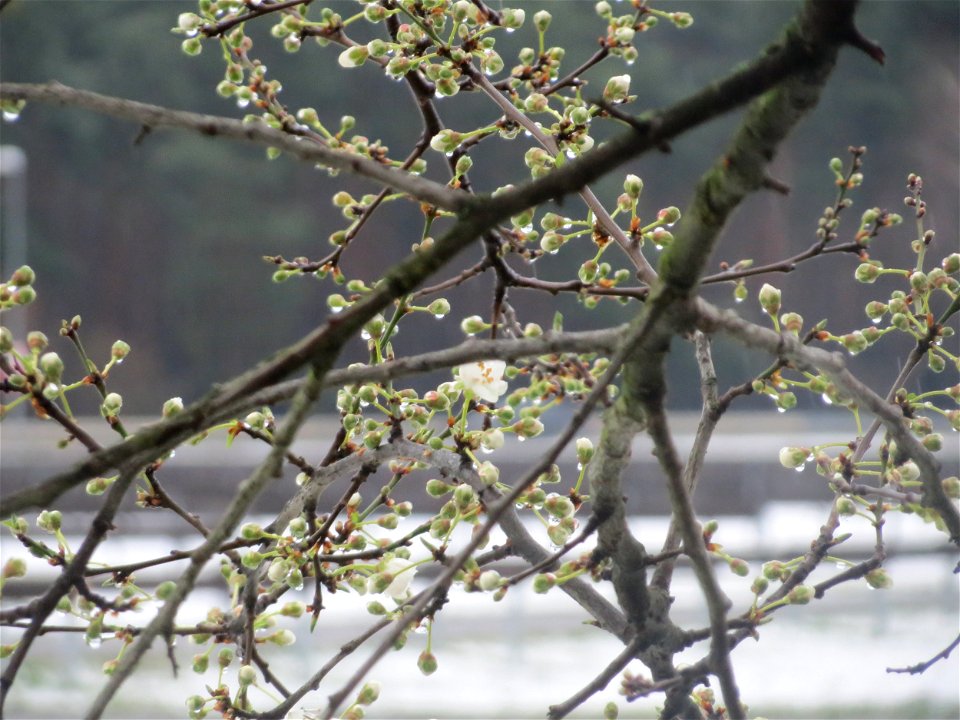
column 364, row 334
column 11, row 116
column 826, row 399
column 439, row 317
column 570, row 154
column 781, row 410
column 738, row 299
column 630, row 62
column 798, row 468
column 242, row 102
column 337, row 310
column 485, row 450
column 876, row 321
column 94, row 641
column 420, row 629
column 521, row 438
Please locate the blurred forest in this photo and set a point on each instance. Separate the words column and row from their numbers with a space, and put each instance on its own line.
column 160, row 242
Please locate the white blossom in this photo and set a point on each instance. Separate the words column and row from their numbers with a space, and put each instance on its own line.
column 484, row 379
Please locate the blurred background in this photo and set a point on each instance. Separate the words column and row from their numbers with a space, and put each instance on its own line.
column 160, row 244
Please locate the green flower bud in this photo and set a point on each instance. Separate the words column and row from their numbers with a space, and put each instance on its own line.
column 353, row 56
column 559, row 505
column 543, row 582
column 247, row 675
column 584, row 450
column 439, row 308
column 669, row 215
column 446, row 141
column 14, row 568
column 775, row 570
column 951, row 486
column 24, row 296
column 681, row 19
column 786, row 401
column 488, row 472
column 165, row 590
column 191, row 46
column 427, row 662
column 551, row 241
column 617, row 89
column 792, row 322
column 876, row 309
column 610, row 710
column 283, row 638
column 172, row 406
column 854, row 342
column 800, row 595
column 867, row 272
column 473, row 325
column 836, row 165
column 879, row 579
column 936, row 362
column 740, row 292
column 112, row 404
column 760, row 585
column 36, row 341
column 119, row 350
column 513, row 18
column 933, row 442
column 541, row 20
column 770, row 299
column 739, row 567
column 846, row 506
column 98, row 486
column 23, row 276
column 251, row 531
column 951, row 263
column 588, row 272
column 368, row 693
column 52, row 367
column 200, row 663
column 6, row 340
column 49, row 520
column 437, row 488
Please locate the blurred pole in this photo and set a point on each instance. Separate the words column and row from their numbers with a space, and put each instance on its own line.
column 13, row 225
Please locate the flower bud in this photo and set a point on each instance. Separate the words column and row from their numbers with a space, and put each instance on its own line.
column 951, row 263
column 617, row 89
column 739, row 567
column 867, row 272
column 542, row 20
column 800, row 595
column 528, row 427
column 14, row 568
column 770, row 299
column 513, row 18
column 489, row 580
column 437, row 488
column 492, row 439
column 611, row 711
column 50, row 520
column 353, row 56
column 774, row 570
column 247, row 675
column 878, row 579
column 584, row 450
column 52, row 367
column 119, row 350
column 855, row 342
column 473, row 325
column 488, row 472
column 165, row 590
column 951, row 486
column 792, row 322
column 543, row 582
column 36, row 341
column 760, row 585
column 463, row 496
column 112, row 404
column 559, row 505
column 669, row 215
column 794, row 457
column 22, row 276
column 191, row 46
column 6, row 340
column 681, row 19
column 427, row 662
column 846, row 507
column 369, row 693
